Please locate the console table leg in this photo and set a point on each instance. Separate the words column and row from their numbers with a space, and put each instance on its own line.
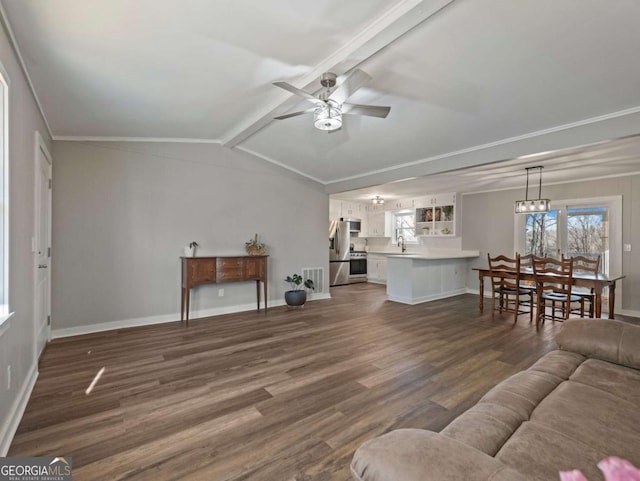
column 187, row 299
column 258, row 294
column 481, row 288
column 265, row 296
column 181, row 304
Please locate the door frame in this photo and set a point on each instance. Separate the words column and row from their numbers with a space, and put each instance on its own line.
column 40, row 145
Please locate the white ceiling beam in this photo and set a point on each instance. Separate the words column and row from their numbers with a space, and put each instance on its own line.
column 391, row 25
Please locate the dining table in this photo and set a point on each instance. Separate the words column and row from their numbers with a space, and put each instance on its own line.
column 598, row 282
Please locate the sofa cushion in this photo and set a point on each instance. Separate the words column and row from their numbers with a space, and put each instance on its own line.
column 538, row 452
column 604, row 339
column 419, row 455
column 621, row 381
column 559, row 363
column 522, row 392
column 597, row 418
column 488, row 424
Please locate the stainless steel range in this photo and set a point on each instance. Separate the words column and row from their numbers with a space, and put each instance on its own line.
column 357, row 267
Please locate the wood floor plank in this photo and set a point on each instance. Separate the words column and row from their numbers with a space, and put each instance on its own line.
column 288, row 395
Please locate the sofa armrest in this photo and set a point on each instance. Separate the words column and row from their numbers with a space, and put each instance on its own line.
column 605, row 339
column 420, row 455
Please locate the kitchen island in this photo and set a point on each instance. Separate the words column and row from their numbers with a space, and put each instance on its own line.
column 416, row 278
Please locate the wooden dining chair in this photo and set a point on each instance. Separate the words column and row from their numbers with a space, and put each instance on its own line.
column 591, row 266
column 526, row 264
column 506, row 289
column 554, row 283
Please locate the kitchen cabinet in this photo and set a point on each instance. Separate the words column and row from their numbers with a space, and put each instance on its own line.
column 346, row 210
column 376, row 223
column 438, row 218
column 401, row 204
column 414, row 279
column 335, row 209
column 377, row 269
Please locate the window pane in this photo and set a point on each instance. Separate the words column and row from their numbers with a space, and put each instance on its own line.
column 587, row 233
column 406, row 227
column 541, row 238
column 4, row 211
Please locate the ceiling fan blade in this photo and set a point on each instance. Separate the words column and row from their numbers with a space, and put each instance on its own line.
column 369, row 110
column 295, row 114
column 356, row 79
column 297, row 91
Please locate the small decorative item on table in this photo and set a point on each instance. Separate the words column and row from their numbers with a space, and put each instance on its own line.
column 190, row 250
column 254, row 247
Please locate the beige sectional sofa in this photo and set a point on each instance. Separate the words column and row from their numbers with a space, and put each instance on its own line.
column 569, row 410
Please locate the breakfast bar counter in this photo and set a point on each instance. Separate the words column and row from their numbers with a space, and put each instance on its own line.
column 416, row 278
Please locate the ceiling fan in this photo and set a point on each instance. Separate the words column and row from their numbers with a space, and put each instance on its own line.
column 329, row 106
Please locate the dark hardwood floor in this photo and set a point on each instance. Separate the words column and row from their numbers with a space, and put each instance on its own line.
column 286, row 396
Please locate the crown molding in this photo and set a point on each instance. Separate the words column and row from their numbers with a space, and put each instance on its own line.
column 97, row 138
column 279, row 164
column 497, row 143
column 23, row 66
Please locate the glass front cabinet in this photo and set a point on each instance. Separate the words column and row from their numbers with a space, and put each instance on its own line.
column 438, row 217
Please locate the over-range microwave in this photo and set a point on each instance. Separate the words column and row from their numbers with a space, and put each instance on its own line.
column 354, row 224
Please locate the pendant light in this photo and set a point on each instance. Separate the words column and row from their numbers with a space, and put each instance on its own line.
column 533, row 206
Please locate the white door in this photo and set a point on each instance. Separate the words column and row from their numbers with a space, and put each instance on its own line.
column 42, row 243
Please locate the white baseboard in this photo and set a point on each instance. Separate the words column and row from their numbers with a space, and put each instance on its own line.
column 160, row 319
column 419, row 300
column 477, row 292
column 11, row 423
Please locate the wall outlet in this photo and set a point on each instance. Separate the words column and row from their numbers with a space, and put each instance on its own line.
column 220, row 292
column 627, row 247
column 8, row 377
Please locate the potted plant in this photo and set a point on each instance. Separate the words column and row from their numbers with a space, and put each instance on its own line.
column 190, row 250
column 254, row 247
column 297, row 296
column 447, row 210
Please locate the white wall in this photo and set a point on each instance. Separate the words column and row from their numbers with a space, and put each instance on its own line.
column 17, row 346
column 123, row 213
column 488, row 225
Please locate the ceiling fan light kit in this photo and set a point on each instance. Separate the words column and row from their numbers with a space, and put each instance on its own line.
column 533, row 206
column 330, row 106
column 327, row 118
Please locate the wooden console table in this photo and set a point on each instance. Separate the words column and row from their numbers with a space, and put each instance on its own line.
column 197, row 271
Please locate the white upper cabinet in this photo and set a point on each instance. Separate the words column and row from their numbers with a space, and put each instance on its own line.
column 377, row 224
column 335, row 207
column 437, row 217
column 346, row 210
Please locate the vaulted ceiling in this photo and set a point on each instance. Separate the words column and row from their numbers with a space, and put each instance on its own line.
column 468, row 82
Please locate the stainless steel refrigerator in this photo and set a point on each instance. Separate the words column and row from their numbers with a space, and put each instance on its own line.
column 338, row 253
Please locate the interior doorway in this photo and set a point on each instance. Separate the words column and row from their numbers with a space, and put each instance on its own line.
column 42, row 244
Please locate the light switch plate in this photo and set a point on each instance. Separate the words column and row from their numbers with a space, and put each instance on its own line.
column 627, row 247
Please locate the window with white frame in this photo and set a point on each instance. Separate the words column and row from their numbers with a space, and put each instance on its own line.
column 4, row 199
column 405, row 226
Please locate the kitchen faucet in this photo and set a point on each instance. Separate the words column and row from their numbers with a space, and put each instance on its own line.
column 401, row 243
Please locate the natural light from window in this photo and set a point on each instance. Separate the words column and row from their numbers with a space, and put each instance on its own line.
column 405, row 226
column 4, row 201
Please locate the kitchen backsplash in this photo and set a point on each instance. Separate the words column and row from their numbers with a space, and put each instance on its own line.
column 384, row 244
